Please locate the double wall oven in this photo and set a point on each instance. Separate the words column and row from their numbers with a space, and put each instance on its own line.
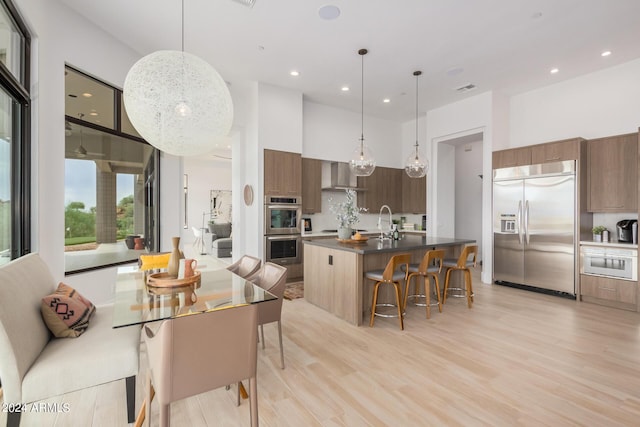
column 282, row 220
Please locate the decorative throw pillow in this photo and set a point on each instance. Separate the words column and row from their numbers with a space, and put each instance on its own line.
column 66, row 312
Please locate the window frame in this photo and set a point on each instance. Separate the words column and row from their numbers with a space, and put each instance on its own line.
column 117, row 131
column 21, row 138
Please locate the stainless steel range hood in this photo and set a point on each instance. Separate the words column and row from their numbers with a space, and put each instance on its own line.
column 337, row 176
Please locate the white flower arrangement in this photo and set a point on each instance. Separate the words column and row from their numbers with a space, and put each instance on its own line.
column 347, row 213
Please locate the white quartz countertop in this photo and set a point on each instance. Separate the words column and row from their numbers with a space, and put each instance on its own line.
column 609, row 244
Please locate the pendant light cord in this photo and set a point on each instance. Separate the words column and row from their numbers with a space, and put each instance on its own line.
column 417, row 74
column 182, row 26
column 362, row 104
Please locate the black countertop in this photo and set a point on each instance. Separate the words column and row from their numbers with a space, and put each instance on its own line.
column 373, row 245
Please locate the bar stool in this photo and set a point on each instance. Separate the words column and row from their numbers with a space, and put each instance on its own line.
column 390, row 276
column 463, row 263
column 429, row 267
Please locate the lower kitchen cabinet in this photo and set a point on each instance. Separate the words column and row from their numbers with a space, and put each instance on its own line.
column 610, row 292
column 332, row 269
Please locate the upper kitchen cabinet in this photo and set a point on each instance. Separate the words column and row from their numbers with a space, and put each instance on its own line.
column 382, row 187
column 511, row 157
column 557, row 151
column 613, row 174
column 282, row 173
column 414, row 195
column 311, row 186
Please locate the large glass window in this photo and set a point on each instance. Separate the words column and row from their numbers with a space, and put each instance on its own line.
column 110, row 180
column 15, row 172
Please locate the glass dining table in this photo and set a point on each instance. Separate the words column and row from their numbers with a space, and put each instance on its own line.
column 137, row 302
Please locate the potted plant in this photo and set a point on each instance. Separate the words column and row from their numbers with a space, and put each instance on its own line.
column 347, row 214
column 597, row 232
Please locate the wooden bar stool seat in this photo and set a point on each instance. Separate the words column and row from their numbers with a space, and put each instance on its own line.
column 389, row 275
column 429, row 267
column 464, row 263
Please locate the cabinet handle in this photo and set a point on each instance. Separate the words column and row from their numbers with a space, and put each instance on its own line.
column 616, row 207
column 554, row 158
column 606, row 289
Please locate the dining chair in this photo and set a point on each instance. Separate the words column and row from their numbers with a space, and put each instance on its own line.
column 196, row 353
column 245, row 266
column 273, row 278
column 465, row 261
column 390, row 275
column 430, row 267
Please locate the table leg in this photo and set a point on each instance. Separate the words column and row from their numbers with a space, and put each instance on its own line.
column 143, row 409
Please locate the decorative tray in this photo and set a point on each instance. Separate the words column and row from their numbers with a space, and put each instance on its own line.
column 354, row 241
column 163, row 280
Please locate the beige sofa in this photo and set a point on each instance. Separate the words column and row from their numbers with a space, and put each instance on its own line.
column 34, row 366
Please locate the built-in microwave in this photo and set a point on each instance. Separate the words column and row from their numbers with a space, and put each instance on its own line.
column 282, row 215
column 618, row 263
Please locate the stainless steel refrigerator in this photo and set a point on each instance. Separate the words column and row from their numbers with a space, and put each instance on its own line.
column 534, row 211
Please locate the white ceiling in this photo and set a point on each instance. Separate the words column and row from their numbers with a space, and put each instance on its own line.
column 507, row 46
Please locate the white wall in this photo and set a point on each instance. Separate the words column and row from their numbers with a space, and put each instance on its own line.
column 599, row 104
column 466, row 117
column 333, row 134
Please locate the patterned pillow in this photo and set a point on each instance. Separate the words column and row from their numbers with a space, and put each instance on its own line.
column 66, row 312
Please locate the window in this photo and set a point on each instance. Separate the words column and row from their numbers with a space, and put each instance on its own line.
column 15, row 213
column 111, row 178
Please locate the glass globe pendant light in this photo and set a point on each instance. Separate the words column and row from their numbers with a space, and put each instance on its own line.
column 362, row 162
column 417, row 164
column 178, row 102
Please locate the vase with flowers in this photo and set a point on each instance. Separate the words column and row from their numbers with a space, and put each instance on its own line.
column 347, row 213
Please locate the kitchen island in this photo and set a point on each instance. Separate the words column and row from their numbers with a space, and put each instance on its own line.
column 334, row 271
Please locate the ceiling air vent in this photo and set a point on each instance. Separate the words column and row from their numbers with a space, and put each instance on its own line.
column 466, row 88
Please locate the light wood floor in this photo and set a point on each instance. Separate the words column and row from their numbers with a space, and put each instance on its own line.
column 516, row 358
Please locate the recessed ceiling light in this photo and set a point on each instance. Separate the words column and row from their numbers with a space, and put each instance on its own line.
column 329, row 12
column 93, row 113
column 345, row 88
column 554, row 70
column 606, row 53
column 294, row 73
column 386, row 100
column 87, row 95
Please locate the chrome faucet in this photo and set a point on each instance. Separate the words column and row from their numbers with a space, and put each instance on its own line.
column 382, row 234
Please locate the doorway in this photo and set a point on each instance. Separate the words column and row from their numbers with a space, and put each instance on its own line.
column 459, row 191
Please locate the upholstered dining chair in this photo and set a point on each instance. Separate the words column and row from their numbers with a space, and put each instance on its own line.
column 245, row 266
column 429, row 267
column 273, row 278
column 464, row 263
column 392, row 276
column 196, row 353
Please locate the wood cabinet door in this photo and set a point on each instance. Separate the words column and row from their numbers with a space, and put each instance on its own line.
column 613, row 174
column 511, row 157
column 414, row 194
column 382, row 187
column 311, row 186
column 555, row 151
column 282, row 173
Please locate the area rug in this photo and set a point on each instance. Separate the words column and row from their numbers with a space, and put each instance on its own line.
column 294, row 290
